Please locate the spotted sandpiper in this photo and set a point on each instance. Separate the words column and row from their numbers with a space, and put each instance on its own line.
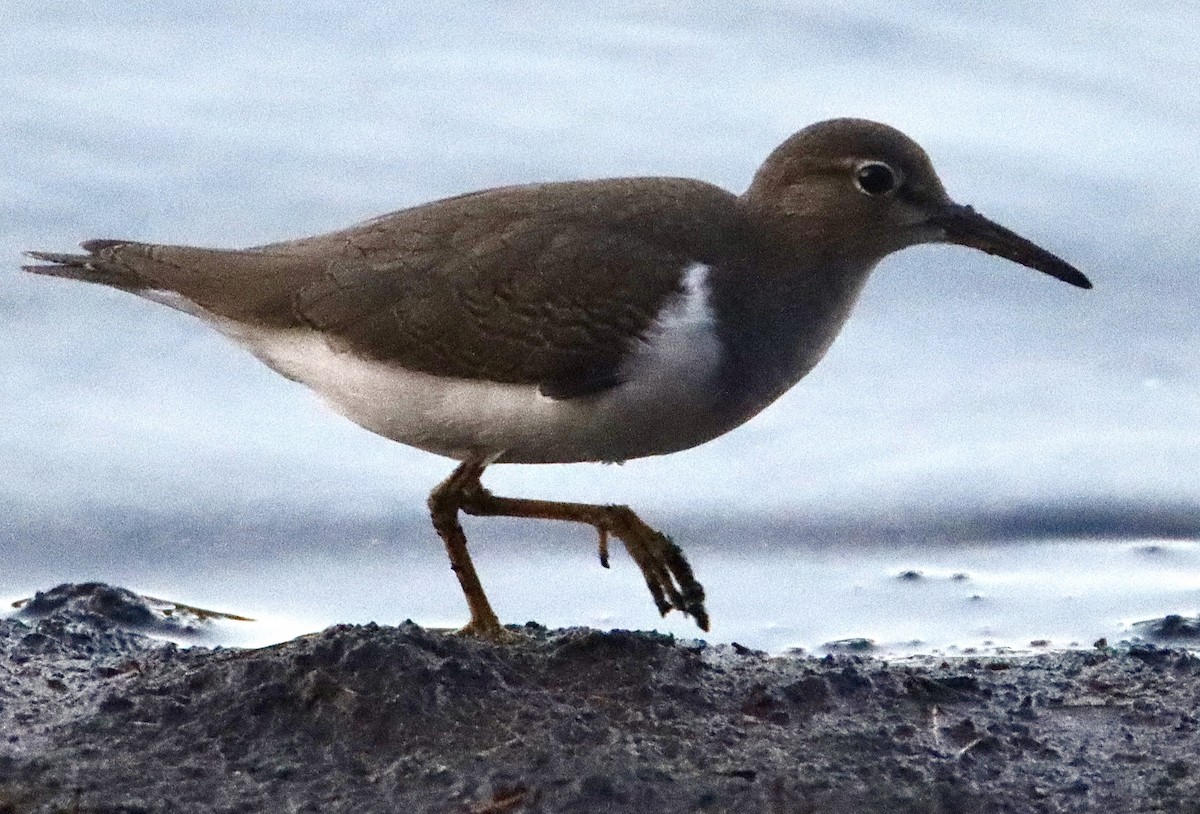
column 567, row 322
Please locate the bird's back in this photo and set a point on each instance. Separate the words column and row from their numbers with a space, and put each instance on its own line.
column 491, row 232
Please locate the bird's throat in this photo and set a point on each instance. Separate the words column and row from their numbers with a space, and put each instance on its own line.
column 774, row 334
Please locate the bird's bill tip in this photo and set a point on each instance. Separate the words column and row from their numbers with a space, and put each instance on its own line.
column 963, row 226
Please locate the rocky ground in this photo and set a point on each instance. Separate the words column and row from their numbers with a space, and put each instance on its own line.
column 95, row 717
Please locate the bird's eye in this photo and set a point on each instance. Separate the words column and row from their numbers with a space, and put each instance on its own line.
column 875, row 178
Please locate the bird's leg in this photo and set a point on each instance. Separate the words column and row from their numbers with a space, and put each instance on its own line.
column 667, row 572
column 444, row 504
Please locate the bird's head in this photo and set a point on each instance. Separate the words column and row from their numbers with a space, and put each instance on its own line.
column 861, row 189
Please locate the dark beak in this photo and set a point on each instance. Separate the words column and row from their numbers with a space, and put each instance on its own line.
column 966, row 227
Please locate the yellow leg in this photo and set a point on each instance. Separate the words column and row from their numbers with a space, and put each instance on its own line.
column 667, row 572
column 444, row 504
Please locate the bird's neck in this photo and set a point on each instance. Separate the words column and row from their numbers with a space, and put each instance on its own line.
column 775, row 330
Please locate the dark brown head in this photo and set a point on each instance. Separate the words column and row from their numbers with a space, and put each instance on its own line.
column 860, row 187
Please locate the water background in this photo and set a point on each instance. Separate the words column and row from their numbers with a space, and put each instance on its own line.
column 974, row 417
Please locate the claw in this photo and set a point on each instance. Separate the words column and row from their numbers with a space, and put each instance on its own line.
column 603, row 546
column 670, row 579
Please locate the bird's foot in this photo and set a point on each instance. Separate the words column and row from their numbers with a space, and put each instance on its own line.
column 494, row 632
column 668, row 574
column 666, row 570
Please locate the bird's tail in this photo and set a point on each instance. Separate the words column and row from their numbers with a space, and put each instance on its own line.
column 92, row 267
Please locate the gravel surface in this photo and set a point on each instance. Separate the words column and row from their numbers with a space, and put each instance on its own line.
column 97, row 718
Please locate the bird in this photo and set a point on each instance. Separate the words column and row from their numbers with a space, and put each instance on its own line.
column 574, row 321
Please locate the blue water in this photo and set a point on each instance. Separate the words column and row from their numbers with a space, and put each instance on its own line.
column 965, row 392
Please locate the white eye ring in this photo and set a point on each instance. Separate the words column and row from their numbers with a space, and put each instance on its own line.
column 875, row 178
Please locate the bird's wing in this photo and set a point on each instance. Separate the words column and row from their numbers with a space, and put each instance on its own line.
column 548, row 285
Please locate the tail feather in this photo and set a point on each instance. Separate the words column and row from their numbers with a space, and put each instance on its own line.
column 89, row 268
column 255, row 284
column 98, row 245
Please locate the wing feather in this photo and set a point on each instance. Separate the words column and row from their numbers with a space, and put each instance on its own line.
column 544, row 290
column 550, row 284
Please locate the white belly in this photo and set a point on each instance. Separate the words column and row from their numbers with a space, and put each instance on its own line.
column 458, row 417
column 664, row 403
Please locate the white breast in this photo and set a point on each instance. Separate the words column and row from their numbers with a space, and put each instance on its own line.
column 662, row 405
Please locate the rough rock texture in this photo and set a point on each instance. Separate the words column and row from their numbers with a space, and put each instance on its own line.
column 378, row 719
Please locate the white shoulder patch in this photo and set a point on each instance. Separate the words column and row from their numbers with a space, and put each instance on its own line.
column 682, row 344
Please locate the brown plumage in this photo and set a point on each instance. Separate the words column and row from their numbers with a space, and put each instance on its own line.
column 545, row 284
column 583, row 321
